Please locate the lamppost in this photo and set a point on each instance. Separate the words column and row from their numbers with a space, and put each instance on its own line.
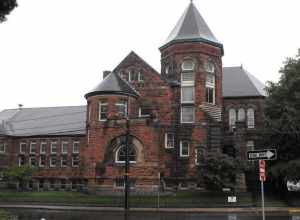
column 126, row 175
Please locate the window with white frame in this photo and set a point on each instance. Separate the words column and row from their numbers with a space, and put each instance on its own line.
column 169, row 140
column 210, row 87
column 53, row 148
column 250, row 118
column 2, row 148
column 144, row 111
column 120, row 156
column 241, row 114
column 43, row 147
column 209, row 67
column 184, row 148
column 21, row 160
column 64, row 147
column 133, row 76
column 187, row 114
column 32, row 161
column 53, row 161
column 188, row 65
column 23, row 148
column 42, row 161
column 232, row 118
column 187, row 94
column 121, row 106
column 75, row 147
column 103, row 110
column 141, row 76
column 63, row 161
column 32, row 148
column 75, row 161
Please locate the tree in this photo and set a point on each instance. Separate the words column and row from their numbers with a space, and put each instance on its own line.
column 282, row 114
column 218, row 170
column 21, row 174
column 6, row 6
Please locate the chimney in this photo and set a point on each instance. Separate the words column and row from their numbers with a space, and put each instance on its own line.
column 20, row 106
column 106, row 73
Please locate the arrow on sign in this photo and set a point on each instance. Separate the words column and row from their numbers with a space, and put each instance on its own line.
column 269, row 154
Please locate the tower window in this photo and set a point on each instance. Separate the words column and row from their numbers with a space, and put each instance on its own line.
column 210, row 88
column 187, row 114
column 209, row 67
column 122, row 108
column 187, row 94
column 188, row 65
column 103, row 110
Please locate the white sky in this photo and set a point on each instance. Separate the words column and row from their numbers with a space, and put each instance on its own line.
column 54, row 51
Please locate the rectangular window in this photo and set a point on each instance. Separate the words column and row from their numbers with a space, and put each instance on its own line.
column 2, row 148
column 169, row 140
column 32, row 161
column 144, row 111
column 75, row 147
column 63, row 161
column 53, row 161
column 21, row 161
column 22, row 148
column 32, row 148
column 184, row 148
column 53, row 148
column 250, row 145
column 133, row 76
column 42, row 161
column 43, row 146
column 64, row 147
column 187, row 114
column 121, row 106
column 187, row 94
column 75, row 161
column 210, row 88
column 199, row 154
column 103, row 111
column 187, row 78
column 141, row 77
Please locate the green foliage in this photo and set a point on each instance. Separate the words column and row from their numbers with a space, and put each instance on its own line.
column 283, row 120
column 6, row 6
column 23, row 173
column 218, row 170
column 4, row 215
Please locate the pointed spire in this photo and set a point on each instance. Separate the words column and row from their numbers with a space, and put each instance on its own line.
column 191, row 27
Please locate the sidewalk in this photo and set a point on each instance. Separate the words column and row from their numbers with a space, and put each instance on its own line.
column 199, row 210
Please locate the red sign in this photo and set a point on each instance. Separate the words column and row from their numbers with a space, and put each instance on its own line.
column 262, row 170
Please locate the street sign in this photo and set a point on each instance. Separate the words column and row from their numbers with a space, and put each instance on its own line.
column 269, row 154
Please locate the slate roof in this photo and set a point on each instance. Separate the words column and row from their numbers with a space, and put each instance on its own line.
column 70, row 120
column 113, row 84
column 237, row 82
column 192, row 27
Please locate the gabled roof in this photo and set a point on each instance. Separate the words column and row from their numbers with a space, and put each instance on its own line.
column 113, row 84
column 48, row 121
column 237, row 82
column 192, row 27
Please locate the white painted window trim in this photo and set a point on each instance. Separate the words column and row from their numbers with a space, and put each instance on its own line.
column 61, row 161
column 102, row 103
column 140, row 113
column 188, row 122
column 45, row 144
column 250, row 118
column 181, row 93
column 74, row 160
column 64, row 143
column 51, row 148
column 196, row 157
column 22, row 144
column 187, row 155
column 166, row 140
column 125, row 104
column 73, row 148
column 140, row 78
column 50, row 162
column 123, row 162
column 30, row 148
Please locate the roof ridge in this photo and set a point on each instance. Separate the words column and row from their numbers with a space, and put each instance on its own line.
column 64, row 106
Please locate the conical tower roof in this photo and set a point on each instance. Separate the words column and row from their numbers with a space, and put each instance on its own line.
column 191, row 27
column 113, row 84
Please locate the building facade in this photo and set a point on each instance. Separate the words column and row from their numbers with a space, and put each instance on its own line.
column 172, row 118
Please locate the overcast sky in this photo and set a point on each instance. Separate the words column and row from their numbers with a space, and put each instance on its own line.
column 52, row 52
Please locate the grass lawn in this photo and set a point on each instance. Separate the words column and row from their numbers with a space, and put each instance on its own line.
column 180, row 199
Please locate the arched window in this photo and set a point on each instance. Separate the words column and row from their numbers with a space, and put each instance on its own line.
column 232, row 118
column 250, row 118
column 188, row 65
column 121, row 154
column 241, row 114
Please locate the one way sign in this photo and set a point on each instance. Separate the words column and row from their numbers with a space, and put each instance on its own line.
column 269, row 154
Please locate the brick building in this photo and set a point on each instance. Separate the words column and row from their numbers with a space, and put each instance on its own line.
column 172, row 118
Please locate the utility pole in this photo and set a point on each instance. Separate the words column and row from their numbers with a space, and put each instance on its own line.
column 126, row 175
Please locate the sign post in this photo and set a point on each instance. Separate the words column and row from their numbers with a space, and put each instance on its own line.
column 262, row 177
